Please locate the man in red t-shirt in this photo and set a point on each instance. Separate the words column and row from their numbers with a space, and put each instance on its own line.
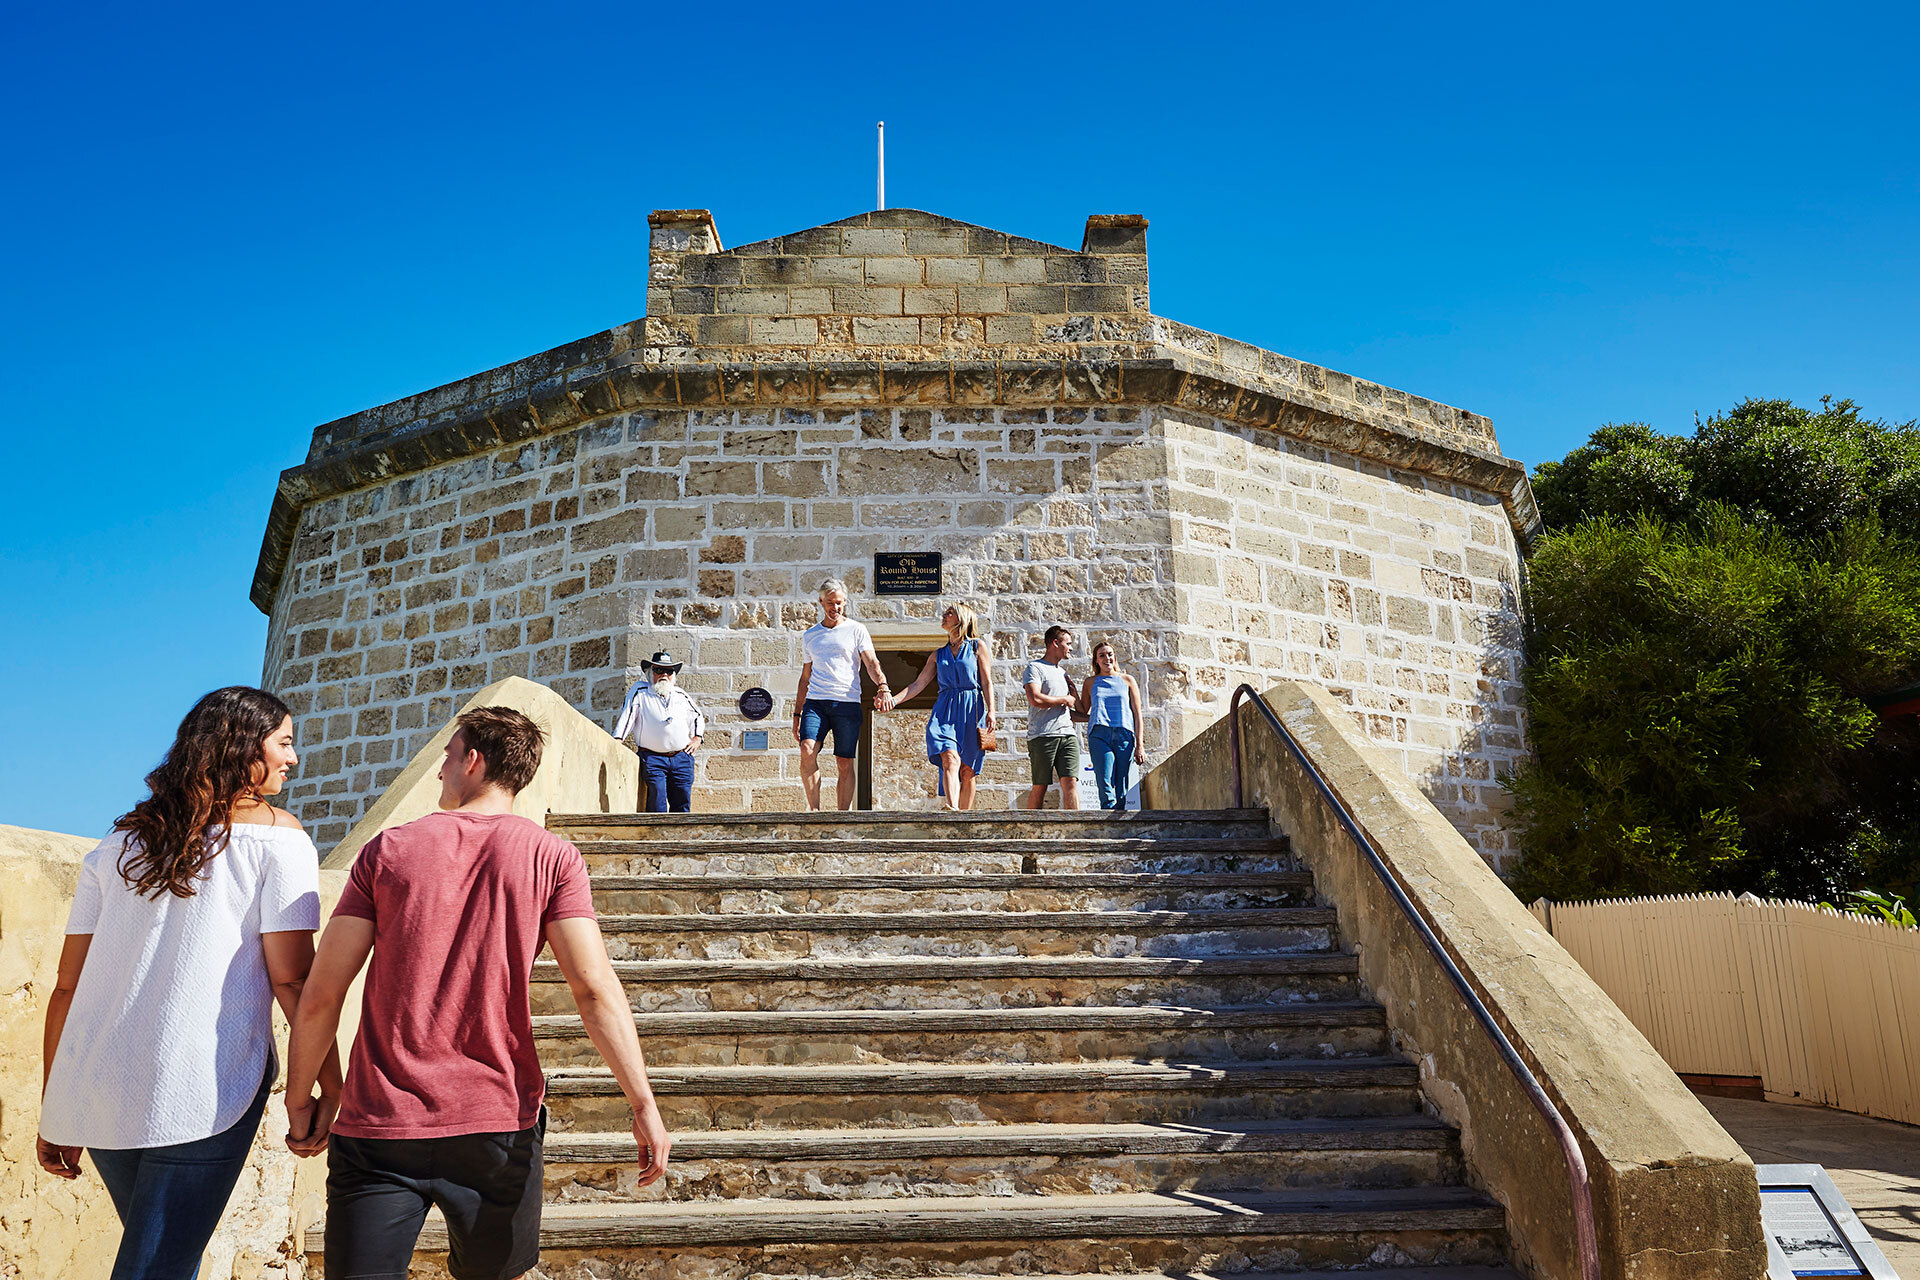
column 442, row 1102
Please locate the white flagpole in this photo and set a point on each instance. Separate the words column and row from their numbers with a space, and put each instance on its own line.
column 880, row 184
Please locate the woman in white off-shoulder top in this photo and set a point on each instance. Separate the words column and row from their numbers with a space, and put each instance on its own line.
column 190, row 919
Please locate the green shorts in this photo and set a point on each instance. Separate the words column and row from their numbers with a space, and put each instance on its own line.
column 1054, row 756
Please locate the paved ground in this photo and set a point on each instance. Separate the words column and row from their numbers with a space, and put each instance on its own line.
column 1875, row 1163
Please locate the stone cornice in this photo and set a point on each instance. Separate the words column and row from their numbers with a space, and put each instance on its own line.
column 612, row 373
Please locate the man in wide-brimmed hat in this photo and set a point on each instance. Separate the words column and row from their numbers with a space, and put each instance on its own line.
column 665, row 725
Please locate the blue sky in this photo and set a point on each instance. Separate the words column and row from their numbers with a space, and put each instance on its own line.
column 225, row 226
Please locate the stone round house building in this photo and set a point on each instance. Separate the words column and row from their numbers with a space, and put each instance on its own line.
column 898, row 382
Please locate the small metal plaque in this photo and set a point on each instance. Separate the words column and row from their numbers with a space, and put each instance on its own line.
column 906, row 573
column 753, row 740
column 1811, row 1229
column 756, row 704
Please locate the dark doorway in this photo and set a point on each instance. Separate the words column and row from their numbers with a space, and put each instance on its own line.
column 902, row 668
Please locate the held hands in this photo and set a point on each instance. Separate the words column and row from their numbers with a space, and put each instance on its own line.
column 883, row 701
column 310, row 1122
column 650, row 1135
column 61, row 1162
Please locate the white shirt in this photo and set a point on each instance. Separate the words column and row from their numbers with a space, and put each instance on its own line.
column 662, row 720
column 171, row 1029
column 835, row 654
column 623, row 727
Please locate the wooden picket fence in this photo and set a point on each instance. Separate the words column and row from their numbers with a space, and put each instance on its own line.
column 1819, row 1005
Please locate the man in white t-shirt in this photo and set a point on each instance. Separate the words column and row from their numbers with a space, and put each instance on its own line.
column 827, row 702
column 1053, row 747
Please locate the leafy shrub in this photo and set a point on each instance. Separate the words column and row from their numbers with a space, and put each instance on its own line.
column 1806, row 473
column 1706, row 619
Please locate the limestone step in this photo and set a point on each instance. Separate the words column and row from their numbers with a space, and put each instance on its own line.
column 1000, row 1160
column 912, row 1237
column 947, row 982
column 875, row 855
column 816, row 857
column 975, row 827
column 1257, row 1032
column 719, row 894
column 768, row 935
column 935, row 1094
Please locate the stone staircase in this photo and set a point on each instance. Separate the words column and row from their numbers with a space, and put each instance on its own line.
column 1063, row 1044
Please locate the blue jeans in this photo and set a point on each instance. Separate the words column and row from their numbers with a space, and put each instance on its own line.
column 170, row 1198
column 669, row 779
column 1112, row 763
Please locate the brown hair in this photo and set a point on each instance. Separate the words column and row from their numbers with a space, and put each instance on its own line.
column 1054, row 632
column 170, row 836
column 508, row 742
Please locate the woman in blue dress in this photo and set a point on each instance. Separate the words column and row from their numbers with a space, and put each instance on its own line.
column 963, row 707
column 1111, row 703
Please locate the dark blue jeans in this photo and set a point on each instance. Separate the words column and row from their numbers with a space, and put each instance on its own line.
column 170, row 1198
column 669, row 781
column 1112, row 763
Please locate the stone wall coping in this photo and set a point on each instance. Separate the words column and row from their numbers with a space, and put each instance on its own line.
column 1674, row 1197
column 609, row 374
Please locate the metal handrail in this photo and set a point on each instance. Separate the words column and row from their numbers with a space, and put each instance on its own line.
column 1585, row 1241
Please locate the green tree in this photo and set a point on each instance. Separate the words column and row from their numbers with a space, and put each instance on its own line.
column 1706, row 617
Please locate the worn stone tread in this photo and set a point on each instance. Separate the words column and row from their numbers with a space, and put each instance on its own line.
column 906, row 1219
column 1174, row 845
column 1384, row 1273
column 1150, row 1017
column 964, row 968
column 1358, row 1133
column 1011, row 1077
column 1041, row 880
column 1093, row 818
column 902, row 921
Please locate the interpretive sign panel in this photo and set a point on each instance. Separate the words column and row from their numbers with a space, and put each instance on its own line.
column 756, row 703
column 906, row 573
column 1811, row 1230
column 753, row 740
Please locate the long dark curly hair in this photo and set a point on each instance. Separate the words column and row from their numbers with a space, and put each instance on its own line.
column 208, row 768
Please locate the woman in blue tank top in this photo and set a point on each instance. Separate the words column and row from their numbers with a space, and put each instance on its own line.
column 1111, row 703
column 963, row 708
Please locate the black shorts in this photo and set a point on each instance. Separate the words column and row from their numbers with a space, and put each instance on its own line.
column 487, row 1185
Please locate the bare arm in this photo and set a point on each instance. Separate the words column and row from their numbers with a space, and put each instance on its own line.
column 800, row 698
column 871, row 661
column 313, row 1054
column 986, row 680
column 1139, row 724
column 919, row 682
column 1041, row 701
column 62, row 1162
column 289, row 957
column 581, row 953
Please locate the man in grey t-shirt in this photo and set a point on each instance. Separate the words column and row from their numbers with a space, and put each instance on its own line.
column 1053, row 747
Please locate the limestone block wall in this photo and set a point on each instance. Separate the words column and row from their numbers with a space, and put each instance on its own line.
column 1396, row 591
column 1206, row 552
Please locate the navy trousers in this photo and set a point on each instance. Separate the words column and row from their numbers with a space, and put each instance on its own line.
column 669, row 779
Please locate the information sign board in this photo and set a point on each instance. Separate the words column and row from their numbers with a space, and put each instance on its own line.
column 906, row 573
column 1811, row 1229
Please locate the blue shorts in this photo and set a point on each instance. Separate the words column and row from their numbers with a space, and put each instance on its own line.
column 819, row 717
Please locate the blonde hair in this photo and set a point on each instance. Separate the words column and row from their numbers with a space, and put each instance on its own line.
column 969, row 621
